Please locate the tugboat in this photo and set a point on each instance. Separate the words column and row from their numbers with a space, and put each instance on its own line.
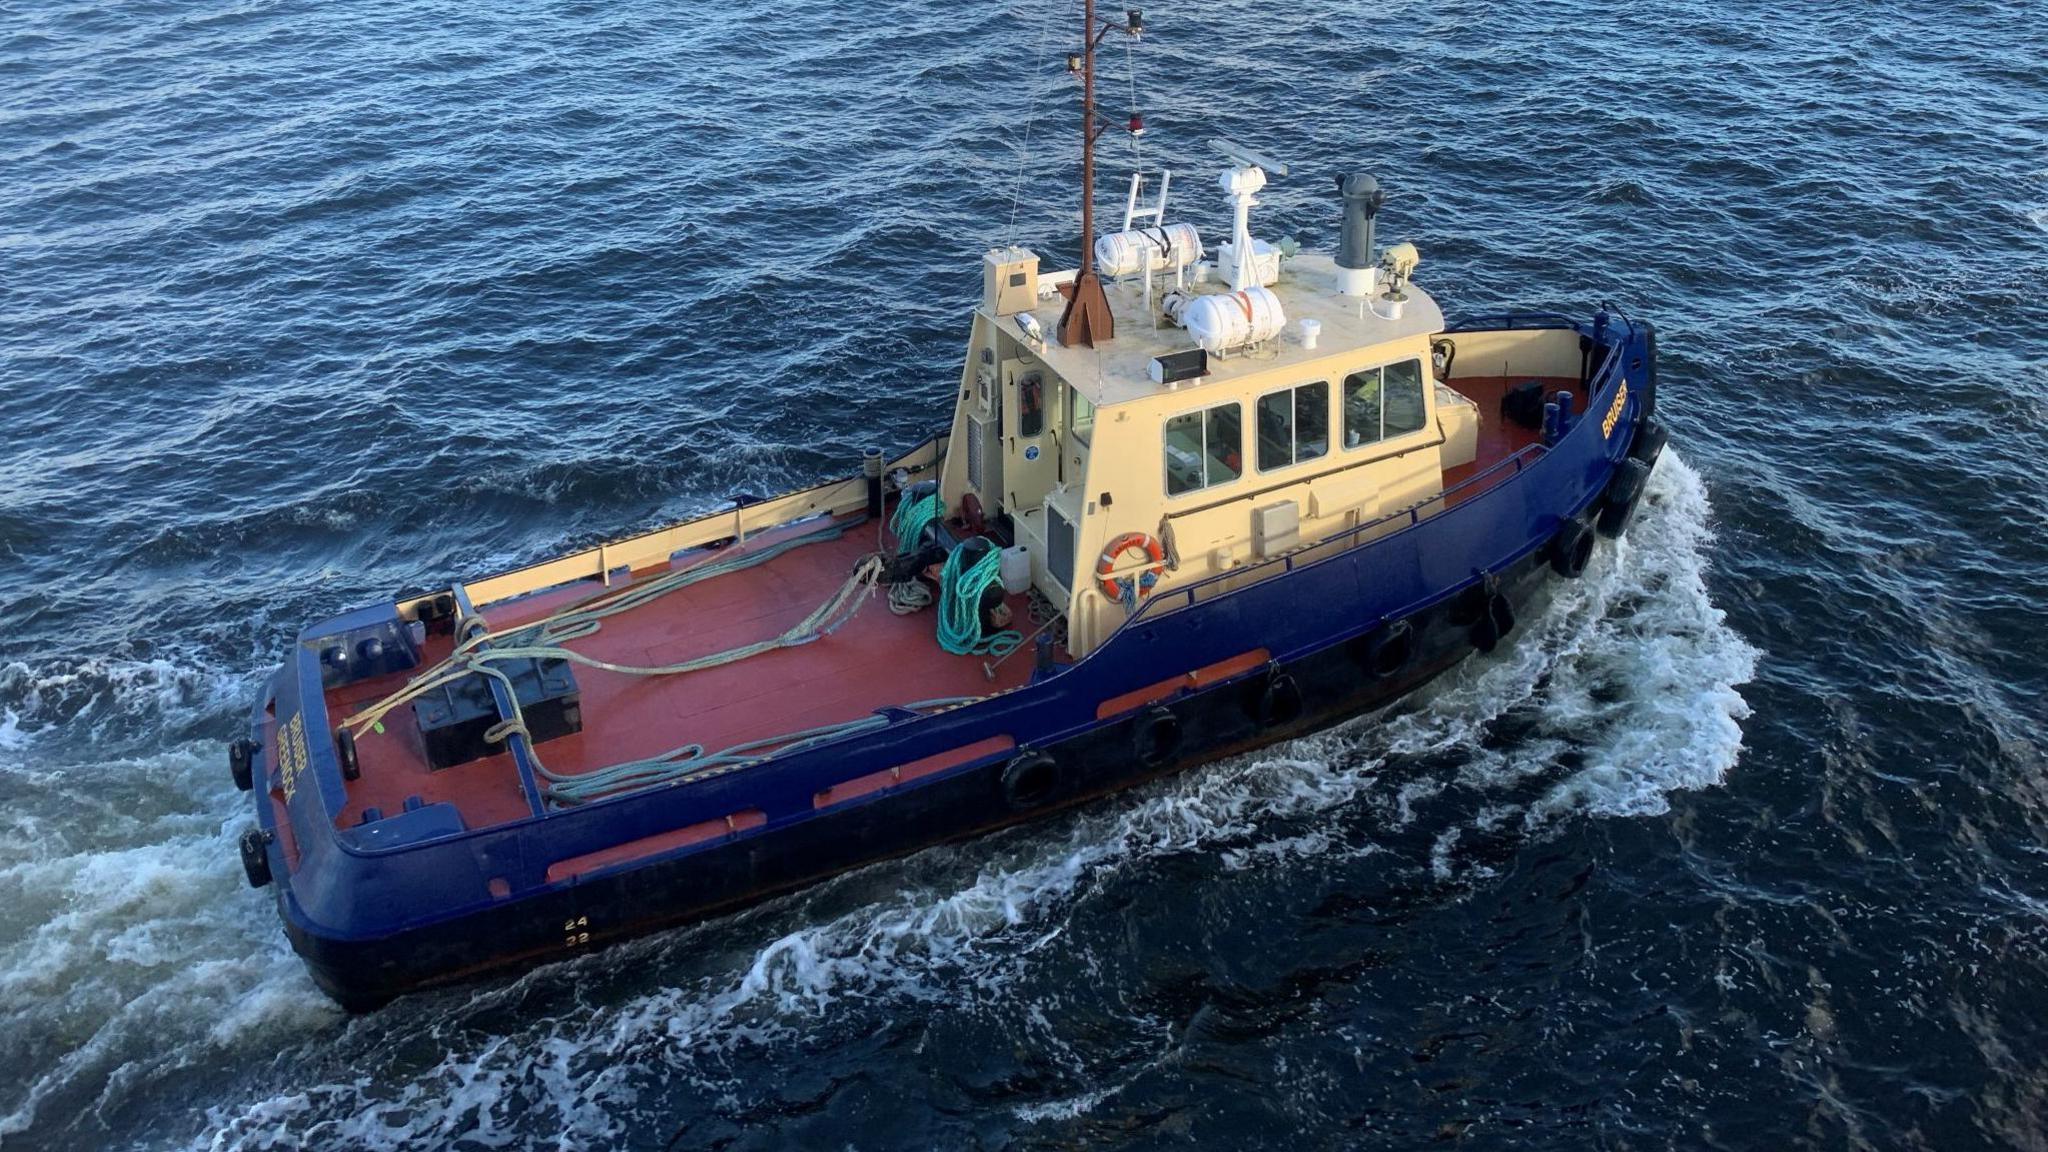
column 1189, row 504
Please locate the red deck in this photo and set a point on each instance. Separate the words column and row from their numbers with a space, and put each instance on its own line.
column 1498, row 438
column 875, row 660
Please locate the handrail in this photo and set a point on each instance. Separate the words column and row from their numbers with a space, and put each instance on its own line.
column 1517, row 460
column 837, row 496
column 1512, row 321
column 1519, row 321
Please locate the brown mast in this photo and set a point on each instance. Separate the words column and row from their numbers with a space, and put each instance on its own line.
column 1087, row 319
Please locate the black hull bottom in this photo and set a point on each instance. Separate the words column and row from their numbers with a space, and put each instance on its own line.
column 1262, row 707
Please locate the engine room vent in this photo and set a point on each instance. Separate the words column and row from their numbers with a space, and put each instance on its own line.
column 977, row 434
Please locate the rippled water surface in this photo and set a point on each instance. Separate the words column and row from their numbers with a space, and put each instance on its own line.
column 1743, row 844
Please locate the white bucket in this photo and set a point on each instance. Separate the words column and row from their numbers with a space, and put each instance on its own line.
column 1311, row 331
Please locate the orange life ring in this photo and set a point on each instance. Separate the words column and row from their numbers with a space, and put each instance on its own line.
column 1117, row 588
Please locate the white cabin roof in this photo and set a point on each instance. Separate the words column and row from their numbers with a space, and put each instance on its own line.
column 1118, row 371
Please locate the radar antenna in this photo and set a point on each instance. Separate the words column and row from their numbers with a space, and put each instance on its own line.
column 1239, row 154
column 1243, row 181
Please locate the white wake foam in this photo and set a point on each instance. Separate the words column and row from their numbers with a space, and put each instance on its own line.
column 130, row 945
column 107, row 700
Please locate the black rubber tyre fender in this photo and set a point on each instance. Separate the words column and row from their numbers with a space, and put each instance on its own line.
column 1499, row 620
column 1651, row 436
column 242, row 763
column 1501, row 612
column 1624, row 491
column 1468, row 607
column 1484, row 636
column 255, row 857
column 1571, row 549
column 1030, row 780
column 1157, row 737
column 345, row 749
column 1390, row 649
column 1280, row 702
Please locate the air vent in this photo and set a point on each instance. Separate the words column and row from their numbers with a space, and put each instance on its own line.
column 977, row 431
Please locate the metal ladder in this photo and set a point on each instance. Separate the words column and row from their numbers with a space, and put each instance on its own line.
column 1157, row 212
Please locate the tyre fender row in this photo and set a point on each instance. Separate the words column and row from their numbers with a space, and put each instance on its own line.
column 1157, row 738
column 243, row 758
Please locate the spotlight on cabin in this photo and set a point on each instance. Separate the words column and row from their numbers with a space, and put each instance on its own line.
column 1134, row 22
column 1074, row 62
column 1397, row 264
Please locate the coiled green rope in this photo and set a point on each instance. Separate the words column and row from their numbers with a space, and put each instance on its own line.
column 960, row 588
column 910, row 520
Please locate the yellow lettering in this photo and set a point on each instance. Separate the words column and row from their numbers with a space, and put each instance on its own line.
column 291, row 755
column 1614, row 411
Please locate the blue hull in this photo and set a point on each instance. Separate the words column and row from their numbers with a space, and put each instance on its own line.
column 1341, row 632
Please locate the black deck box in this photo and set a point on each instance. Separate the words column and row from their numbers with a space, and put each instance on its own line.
column 454, row 717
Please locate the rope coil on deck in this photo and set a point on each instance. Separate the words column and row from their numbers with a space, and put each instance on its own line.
column 912, row 517
column 960, row 590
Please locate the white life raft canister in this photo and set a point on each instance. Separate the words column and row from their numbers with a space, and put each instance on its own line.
column 1165, row 249
column 1233, row 319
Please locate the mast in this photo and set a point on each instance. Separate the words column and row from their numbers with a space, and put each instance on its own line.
column 1087, row 318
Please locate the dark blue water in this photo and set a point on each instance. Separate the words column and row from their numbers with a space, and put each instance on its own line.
column 1743, row 845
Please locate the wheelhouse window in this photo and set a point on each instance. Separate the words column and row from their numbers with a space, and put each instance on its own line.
column 1382, row 403
column 1080, row 416
column 1294, row 425
column 1204, row 449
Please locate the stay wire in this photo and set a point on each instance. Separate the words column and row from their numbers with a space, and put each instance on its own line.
column 1031, row 120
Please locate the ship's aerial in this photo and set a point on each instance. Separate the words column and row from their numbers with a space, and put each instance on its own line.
column 1193, row 500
